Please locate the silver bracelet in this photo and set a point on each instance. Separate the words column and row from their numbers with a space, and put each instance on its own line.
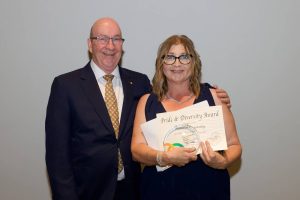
column 159, row 159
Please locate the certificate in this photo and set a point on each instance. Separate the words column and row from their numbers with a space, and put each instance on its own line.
column 151, row 129
column 205, row 124
column 186, row 127
column 182, row 135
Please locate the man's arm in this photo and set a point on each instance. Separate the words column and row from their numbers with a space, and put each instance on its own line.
column 58, row 135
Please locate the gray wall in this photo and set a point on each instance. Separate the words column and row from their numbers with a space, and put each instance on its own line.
column 250, row 48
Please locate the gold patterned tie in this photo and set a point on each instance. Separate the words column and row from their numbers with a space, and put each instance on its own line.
column 112, row 107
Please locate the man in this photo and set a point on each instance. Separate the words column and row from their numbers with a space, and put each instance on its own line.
column 84, row 146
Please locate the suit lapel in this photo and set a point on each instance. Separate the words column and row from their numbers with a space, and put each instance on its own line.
column 127, row 84
column 92, row 91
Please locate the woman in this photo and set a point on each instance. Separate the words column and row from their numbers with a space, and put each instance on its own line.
column 177, row 84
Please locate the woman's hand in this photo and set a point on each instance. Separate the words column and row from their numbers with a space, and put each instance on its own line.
column 180, row 156
column 212, row 158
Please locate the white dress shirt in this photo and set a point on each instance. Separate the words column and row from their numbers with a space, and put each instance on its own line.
column 118, row 88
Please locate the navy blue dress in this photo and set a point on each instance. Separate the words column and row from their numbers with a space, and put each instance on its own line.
column 194, row 181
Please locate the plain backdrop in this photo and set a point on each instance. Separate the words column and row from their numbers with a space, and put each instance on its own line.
column 250, row 48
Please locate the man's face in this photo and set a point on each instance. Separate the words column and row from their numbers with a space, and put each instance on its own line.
column 106, row 54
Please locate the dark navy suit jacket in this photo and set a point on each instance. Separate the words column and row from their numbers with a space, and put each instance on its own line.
column 81, row 147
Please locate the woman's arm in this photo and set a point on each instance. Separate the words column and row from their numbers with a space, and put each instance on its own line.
column 234, row 151
column 143, row 153
column 139, row 147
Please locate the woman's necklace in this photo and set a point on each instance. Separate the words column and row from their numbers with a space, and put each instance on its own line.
column 179, row 102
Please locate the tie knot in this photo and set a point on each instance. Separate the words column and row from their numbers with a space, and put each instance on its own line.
column 108, row 77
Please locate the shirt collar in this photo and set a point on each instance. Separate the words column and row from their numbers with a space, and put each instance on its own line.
column 99, row 73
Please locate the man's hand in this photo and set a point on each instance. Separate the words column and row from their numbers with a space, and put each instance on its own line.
column 223, row 96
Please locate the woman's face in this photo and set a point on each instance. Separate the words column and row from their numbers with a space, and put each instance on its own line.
column 180, row 71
